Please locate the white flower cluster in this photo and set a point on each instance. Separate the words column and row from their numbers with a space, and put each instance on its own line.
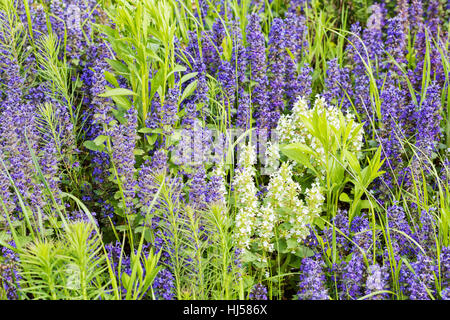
column 220, row 172
column 272, row 156
column 283, row 194
column 283, row 208
column 292, row 128
column 267, row 221
column 247, row 201
column 315, row 198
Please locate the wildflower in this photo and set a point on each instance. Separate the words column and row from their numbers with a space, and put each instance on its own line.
column 363, row 236
column 216, row 187
column 148, row 181
column 416, row 14
column 338, row 85
column 353, row 276
column 257, row 61
column 124, row 138
column 164, row 286
column 277, row 64
column 312, row 281
column 227, row 78
column 247, row 201
column 303, row 81
column 10, row 276
column 258, row 292
column 243, row 111
column 399, row 227
column 420, row 283
column 395, row 42
column 267, row 222
column 377, row 281
column 429, row 113
column 341, row 227
column 198, row 191
column 283, row 192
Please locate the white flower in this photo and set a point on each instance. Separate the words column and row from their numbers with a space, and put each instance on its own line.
column 246, row 198
column 272, row 156
column 267, row 224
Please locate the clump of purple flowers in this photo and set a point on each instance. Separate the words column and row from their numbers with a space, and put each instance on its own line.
column 258, row 292
column 312, row 284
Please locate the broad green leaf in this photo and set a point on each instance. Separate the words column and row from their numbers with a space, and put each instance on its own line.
column 344, row 197
column 187, row 77
column 189, row 90
column 299, row 153
column 100, row 140
column 91, row 145
column 118, row 66
column 117, row 92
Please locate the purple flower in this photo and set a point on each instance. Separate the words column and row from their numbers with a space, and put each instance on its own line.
column 362, row 233
column 227, row 79
column 147, row 182
column 258, row 292
column 257, row 61
column 341, row 225
column 277, row 67
column 427, row 233
column 429, row 125
column 398, row 228
column 338, row 85
column 433, row 19
column 420, row 283
column 445, row 294
column 416, row 14
column 295, row 41
column 166, row 114
column 353, row 276
column 244, row 112
column 123, row 137
column 304, row 82
column 164, row 286
column 215, row 187
column 18, row 120
column 297, row 5
column 377, row 280
column 445, row 267
column 395, row 43
column 10, row 276
column 198, row 190
column 312, row 281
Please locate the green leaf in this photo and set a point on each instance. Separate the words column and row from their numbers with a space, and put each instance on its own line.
column 188, row 76
column 353, row 161
column 122, row 102
column 156, row 82
column 303, row 252
column 100, row 140
column 118, row 66
column 320, row 223
column 344, row 197
column 365, row 204
column 178, row 68
column 291, row 244
column 117, row 92
column 299, row 153
column 111, row 79
column 152, row 139
column 189, row 90
column 145, row 130
column 91, row 145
